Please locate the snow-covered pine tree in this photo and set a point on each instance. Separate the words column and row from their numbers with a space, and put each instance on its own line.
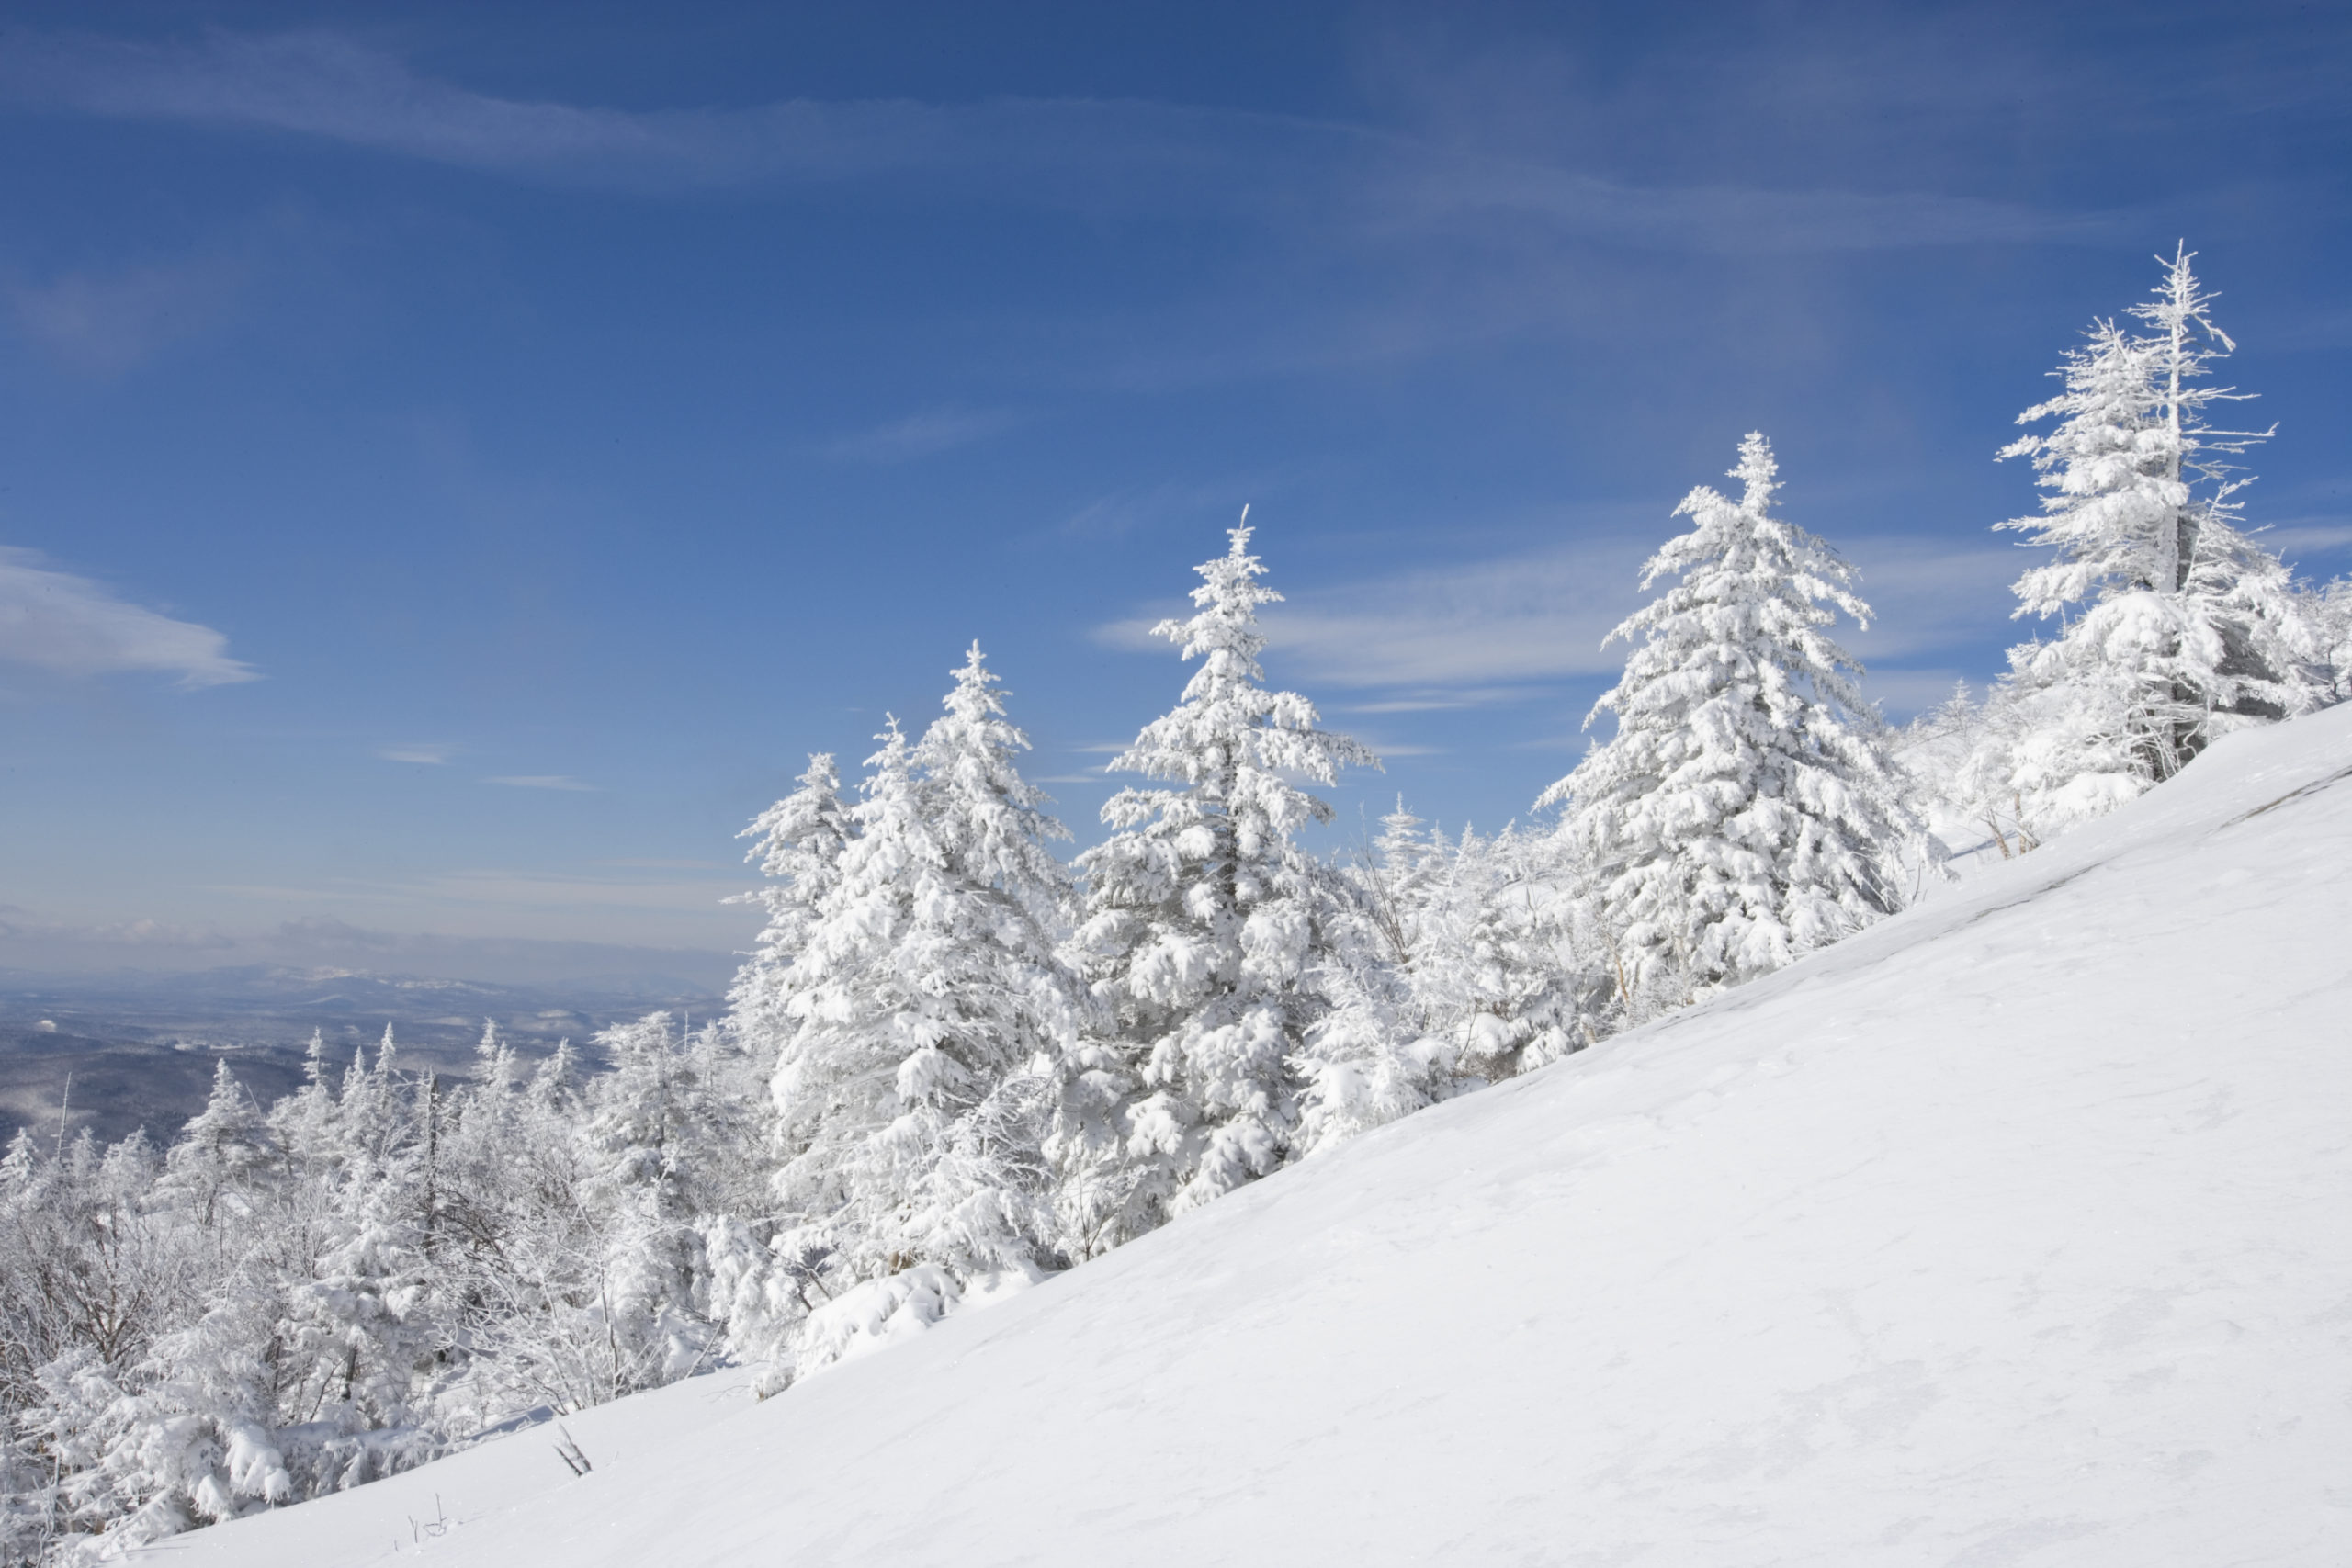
column 645, row 1145
column 930, row 1014
column 1205, row 923
column 221, row 1152
column 2177, row 625
column 1746, row 811
column 798, row 843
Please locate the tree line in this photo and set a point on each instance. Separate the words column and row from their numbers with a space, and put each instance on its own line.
column 956, row 1064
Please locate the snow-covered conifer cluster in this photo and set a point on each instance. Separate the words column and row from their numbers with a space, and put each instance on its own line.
column 955, row 1064
column 385, row 1264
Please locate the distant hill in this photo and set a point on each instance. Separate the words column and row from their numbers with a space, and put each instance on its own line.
column 140, row 1047
column 114, row 1087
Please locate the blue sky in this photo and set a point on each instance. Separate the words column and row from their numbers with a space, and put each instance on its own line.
column 456, row 461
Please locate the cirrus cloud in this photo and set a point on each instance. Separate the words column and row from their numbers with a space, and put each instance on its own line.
column 65, row 625
column 1091, row 154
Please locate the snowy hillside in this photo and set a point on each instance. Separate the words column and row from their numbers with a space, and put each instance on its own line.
column 2011, row 1231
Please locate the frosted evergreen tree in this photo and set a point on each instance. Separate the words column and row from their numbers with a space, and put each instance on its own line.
column 1375, row 1054
column 2329, row 608
column 647, row 1118
column 223, row 1151
column 2177, row 625
column 1746, row 811
column 798, row 843
column 1205, row 925
column 530, row 1243
column 1465, row 960
column 930, row 1014
column 303, row 1123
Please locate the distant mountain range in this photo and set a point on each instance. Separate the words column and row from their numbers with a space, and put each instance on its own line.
column 141, row 1046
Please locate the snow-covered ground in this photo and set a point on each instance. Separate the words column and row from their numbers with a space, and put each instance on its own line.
column 2017, row 1230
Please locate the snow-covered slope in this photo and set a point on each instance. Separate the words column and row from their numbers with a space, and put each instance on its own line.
column 2017, row 1230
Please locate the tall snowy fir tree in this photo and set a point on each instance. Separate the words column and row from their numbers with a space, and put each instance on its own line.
column 1205, row 926
column 929, row 1016
column 1746, row 811
column 799, row 844
column 2175, row 623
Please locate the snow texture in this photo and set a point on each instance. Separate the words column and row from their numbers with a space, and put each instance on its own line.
column 2010, row 1231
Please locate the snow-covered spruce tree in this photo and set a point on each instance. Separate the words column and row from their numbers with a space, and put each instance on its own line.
column 2177, row 626
column 760, row 1294
column 798, row 844
column 1205, row 926
column 1746, row 811
column 929, row 1015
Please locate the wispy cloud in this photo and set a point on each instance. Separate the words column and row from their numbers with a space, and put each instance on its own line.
column 1123, row 512
column 1929, row 594
column 326, row 941
column 1901, row 693
column 1432, row 629
column 606, row 886
column 100, row 323
column 918, row 435
column 65, row 625
column 1091, row 153
column 557, row 890
column 1440, row 702
column 432, row 753
column 1472, row 634
column 2315, row 535
column 540, row 780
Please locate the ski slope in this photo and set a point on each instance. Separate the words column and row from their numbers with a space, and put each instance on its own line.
column 2017, row 1230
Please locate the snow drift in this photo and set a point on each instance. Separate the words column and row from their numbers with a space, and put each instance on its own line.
column 2016, row 1230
